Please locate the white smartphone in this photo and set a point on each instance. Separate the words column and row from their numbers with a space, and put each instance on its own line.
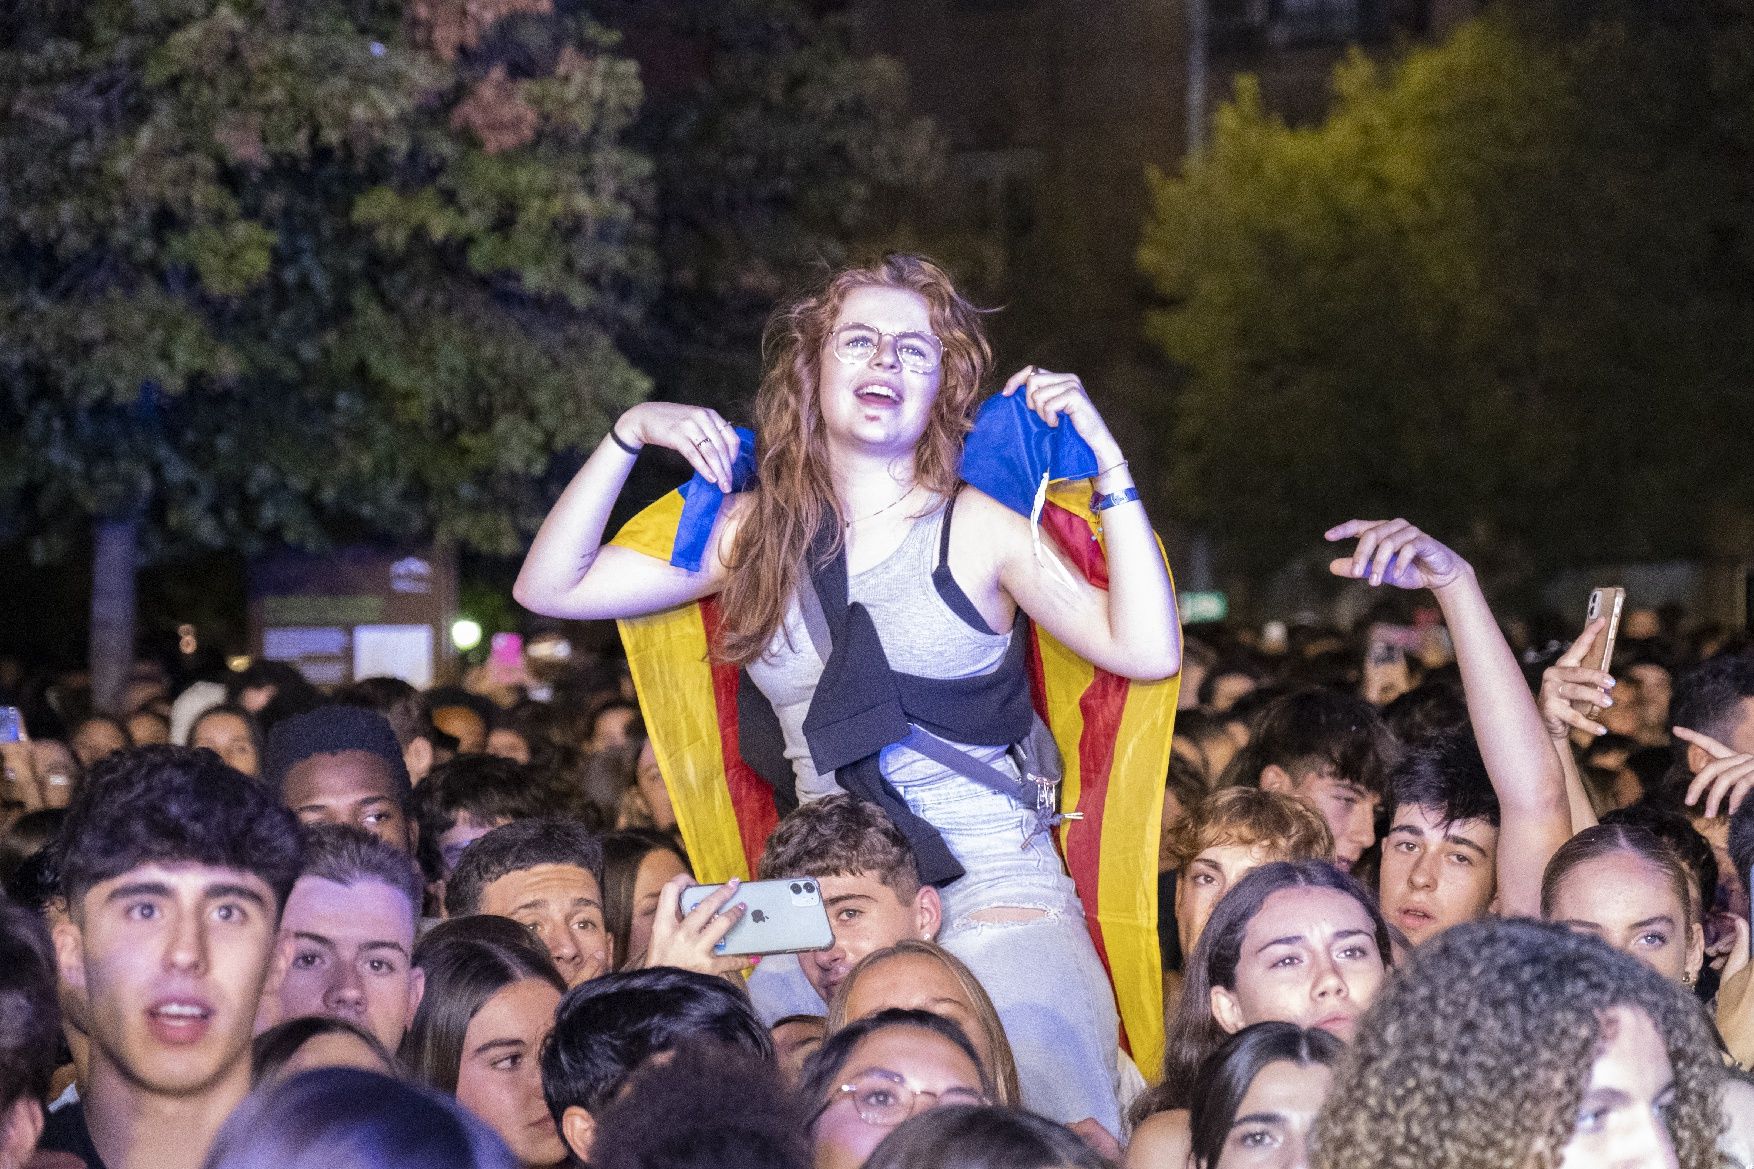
column 785, row 916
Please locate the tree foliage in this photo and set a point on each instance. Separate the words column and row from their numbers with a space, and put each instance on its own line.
column 782, row 148
column 288, row 268
column 1502, row 289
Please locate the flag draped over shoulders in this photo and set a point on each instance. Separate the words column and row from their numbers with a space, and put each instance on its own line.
column 1113, row 733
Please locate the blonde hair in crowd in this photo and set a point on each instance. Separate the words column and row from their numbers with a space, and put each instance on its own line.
column 1249, row 817
column 1004, row 1069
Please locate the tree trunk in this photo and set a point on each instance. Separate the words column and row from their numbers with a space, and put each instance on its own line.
column 115, row 543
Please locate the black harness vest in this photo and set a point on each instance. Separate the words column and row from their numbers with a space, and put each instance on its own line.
column 861, row 705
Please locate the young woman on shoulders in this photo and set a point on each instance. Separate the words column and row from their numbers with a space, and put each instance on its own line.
column 870, row 386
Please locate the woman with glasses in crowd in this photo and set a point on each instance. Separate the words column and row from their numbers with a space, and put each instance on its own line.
column 873, row 1074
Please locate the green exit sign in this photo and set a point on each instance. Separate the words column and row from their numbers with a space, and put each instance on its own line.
column 1198, row 608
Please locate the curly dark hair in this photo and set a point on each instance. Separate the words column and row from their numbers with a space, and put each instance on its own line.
column 1478, row 1052
column 171, row 805
column 841, row 836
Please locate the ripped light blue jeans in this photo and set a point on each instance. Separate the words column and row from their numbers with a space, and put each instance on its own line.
column 1039, row 967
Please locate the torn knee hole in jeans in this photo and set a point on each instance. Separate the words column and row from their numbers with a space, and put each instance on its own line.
column 1006, row 915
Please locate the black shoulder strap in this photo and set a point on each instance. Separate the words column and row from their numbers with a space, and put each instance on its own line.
column 945, row 582
column 828, row 572
column 944, row 533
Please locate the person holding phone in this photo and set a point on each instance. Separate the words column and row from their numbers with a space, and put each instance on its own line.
column 870, row 385
column 1474, row 823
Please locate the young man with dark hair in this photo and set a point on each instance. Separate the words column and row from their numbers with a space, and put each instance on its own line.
column 30, row 1030
column 1328, row 749
column 1715, row 698
column 1477, row 816
column 1440, row 855
column 607, row 1029
column 343, row 765
column 405, row 709
column 465, row 799
column 547, row 875
column 870, row 883
column 174, row 868
column 351, row 921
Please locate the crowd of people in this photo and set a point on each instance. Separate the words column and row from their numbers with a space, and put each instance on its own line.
column 1464, row 905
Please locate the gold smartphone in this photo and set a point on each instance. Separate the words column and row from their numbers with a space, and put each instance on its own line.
column 1603, row 603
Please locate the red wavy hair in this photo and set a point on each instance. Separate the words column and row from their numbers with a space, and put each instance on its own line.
column 794, row 493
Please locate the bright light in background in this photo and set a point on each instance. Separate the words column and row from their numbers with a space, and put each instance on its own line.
column 465, row 634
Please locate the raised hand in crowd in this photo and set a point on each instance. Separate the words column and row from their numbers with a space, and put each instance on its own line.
column 1564, row 684
column 1723, row 782
column 688, row 941
column 1568, row 682
column 697, row 433
column 1535, row 818
column 570, row 572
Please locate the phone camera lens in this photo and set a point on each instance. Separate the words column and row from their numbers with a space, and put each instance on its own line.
column 796, row 888
column 809, row 886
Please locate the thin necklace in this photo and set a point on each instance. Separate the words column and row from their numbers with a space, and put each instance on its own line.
column 892, row 503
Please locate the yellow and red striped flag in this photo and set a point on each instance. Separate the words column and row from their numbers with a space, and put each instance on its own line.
column 1113, row 733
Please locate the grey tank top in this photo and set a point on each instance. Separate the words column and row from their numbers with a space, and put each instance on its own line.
column 921, row 635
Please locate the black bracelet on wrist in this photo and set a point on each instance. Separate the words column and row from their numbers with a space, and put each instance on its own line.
column 622, row 443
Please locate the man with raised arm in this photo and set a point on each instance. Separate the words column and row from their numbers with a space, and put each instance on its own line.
column 1457, row 847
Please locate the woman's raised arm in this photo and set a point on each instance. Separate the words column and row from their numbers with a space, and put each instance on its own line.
column 569, row 573
column 1130, row 629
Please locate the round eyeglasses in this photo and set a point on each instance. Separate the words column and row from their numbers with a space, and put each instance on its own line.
column 856, row 344
column 884, row 1099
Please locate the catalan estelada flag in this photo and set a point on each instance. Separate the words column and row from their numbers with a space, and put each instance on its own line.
column 1114, row 735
